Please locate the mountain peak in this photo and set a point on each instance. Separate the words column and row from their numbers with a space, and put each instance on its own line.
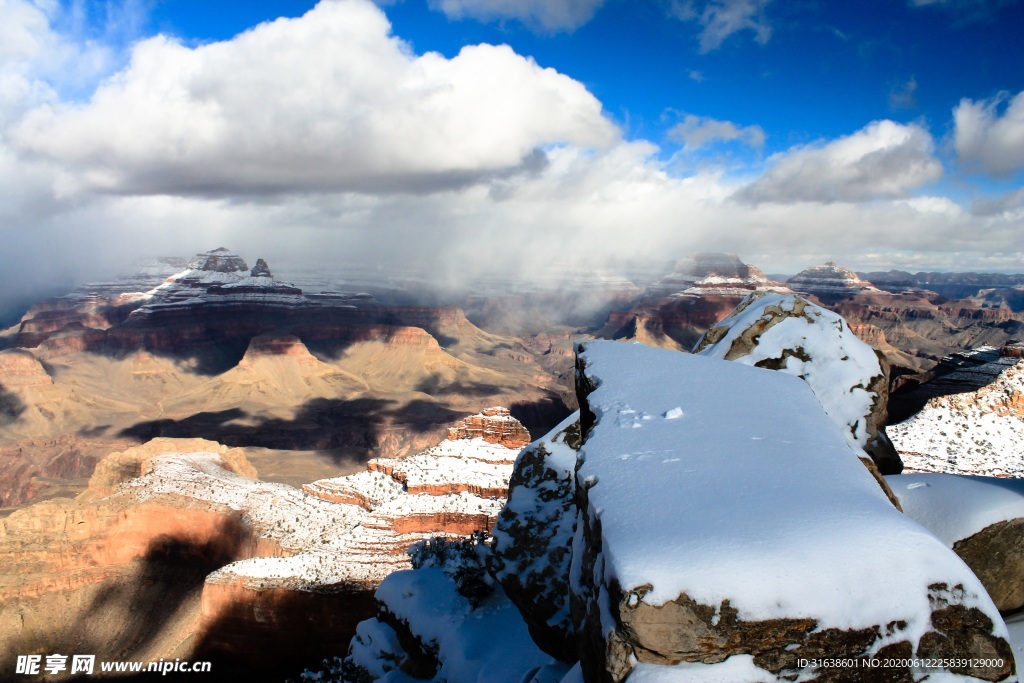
column 219, row 260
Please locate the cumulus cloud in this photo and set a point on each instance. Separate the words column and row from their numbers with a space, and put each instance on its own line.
column 719, row 19
column 697, row 131
column 546, row 16
column 326, row 139
column 326, row 102
column 883, row 160
column 990, row 133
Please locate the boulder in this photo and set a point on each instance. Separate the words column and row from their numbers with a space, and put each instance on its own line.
column 788, row 333
column 725, row 521
column 533, row 536
column 981, row 519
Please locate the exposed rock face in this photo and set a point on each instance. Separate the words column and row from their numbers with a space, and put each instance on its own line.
column 707, row 270
column 269, row 566
column 828, row 281
column 981, row 519
column 493, row 425
column 965, row 431
column 790, row 334
column 20, row 369
column 533, row 538
column 120, row 467
column 261, row 269
column 454, row 488
column 219, row 260
column 655, row 584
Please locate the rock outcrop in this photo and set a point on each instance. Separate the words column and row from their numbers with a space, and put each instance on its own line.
column 829, row 282
column 270, row 569
column 672, row 549
column 493, row 425
column 981, row 519
column 454, row 488
column 721, row 520
column 966, row 430
column 533, row 538
column 790, row 334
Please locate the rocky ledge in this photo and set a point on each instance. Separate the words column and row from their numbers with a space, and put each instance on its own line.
column 705, row 520
column 269, row 566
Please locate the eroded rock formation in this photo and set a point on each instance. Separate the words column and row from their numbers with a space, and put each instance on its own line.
column 788, row 333
column 632, row 603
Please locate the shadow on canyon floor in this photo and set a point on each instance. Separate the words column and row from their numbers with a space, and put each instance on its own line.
column 357, row 425
column 11, row 406
column 144, row 608
column 320, row 424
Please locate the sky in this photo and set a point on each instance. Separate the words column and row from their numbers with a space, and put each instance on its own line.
column 477, row 138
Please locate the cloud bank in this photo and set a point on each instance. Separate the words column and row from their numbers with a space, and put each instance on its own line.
column 326, row 139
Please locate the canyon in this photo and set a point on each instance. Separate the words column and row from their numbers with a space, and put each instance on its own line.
column 135, row 415
column 258, row 577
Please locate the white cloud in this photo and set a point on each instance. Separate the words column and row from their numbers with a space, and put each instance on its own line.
column 326, row 102
column 324, row 138
column 882, row 160
column 719, row 19
column 698, row 131
column 547, row 16
column 991, row 140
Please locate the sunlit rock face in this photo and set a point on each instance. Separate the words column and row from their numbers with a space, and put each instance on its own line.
column 270, row 575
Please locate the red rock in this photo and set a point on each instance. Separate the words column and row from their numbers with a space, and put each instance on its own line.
column 493, row 425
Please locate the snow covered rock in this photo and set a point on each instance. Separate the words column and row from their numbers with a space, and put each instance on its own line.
column 829, row 280
column 427, row 630
column 724, row 520
column 980, row 518
column 788, row 333
column 969, row 432
column 493, row 425
column 533, row 537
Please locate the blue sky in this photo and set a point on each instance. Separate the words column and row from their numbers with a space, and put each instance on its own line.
column 824, row 69
column 541, row 134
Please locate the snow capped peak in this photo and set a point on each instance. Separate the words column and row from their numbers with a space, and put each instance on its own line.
column 218, row 260
column 261, row 269
column 829, row 279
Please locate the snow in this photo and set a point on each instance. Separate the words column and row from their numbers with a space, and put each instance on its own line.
column 539, row 504
column 735, row 669
column 1015, row 625
column 465, row 639
column 979, row 432
column 754, row 491
column 955, row 507
column 838, row 367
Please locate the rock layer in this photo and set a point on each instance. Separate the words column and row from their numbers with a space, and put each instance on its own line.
column 671, row 595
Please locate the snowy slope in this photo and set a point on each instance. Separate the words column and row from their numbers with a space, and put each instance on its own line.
column 980, row 432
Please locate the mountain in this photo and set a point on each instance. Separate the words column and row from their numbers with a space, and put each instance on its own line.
column 679, row 307
column 177, row 550
column 316, row 382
